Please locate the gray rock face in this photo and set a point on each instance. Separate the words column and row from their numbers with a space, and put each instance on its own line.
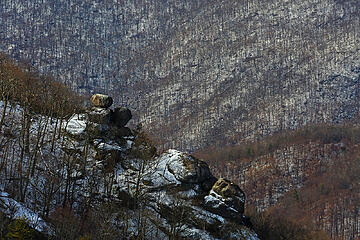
column 175, row 182
column 227, row 199
column 76, row 126
column 121, row 116
column 188, row 169
column 101, row 101
column 100, row 121
column 100, row 115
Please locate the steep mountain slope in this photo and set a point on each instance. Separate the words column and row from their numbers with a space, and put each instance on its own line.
column 200, row 73
column 309, row 175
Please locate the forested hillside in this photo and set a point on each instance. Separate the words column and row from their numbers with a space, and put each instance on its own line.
column 310, row 175
column 267, row 92
column 199, row 73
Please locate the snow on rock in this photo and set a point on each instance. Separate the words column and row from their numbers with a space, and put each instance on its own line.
column 195, row 233
column 177, row 202
column 174, row 167
column 100, row 115
column 214, row 200
column 110, row 146
column 209, row 217
column 250, row 235
column 15, row 209
column 174, row 190
column 226, row 198
column 159, row 174
column 76, row 126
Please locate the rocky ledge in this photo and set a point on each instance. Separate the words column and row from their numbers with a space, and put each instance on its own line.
column 179, row 194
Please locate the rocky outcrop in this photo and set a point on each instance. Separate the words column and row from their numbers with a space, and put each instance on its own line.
column 188, row 169
column 100, row 115
column 101, row 101
column 226, row 198
column 178, row 191
column 100, row 120
column 178, row 187
column 121, row 116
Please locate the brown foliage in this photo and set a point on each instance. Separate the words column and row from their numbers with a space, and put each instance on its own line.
column 271, row 226
column 67, row 225
column 41, row 94
column 328, row 200
column 329, row 196
column 325, row 133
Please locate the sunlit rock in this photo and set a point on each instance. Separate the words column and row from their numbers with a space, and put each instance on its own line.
column 101, row 100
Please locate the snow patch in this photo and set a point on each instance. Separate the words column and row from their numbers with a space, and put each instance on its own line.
column 208, row 216
column 188, row 194
column 194, row 233
column 215, row 201
column 160, row 174
column 249, row 235
column 77, row 124
column 109, row 146
column 17, row 210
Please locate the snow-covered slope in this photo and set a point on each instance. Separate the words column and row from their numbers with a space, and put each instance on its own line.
column 14, row 209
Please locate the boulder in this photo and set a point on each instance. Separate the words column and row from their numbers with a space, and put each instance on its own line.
column 76, row 126
column 121, row 116
column 227, row 189
column 100, row 115
column 96, row 130
column 180, row 171
column 226, row 199
column 101, row 101
column 121, row 132
column 188, row 169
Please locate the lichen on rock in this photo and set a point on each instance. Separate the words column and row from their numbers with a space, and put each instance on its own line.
column 101, row 100
column 227, row 199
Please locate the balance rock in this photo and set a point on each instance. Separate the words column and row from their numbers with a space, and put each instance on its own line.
column 101, row 101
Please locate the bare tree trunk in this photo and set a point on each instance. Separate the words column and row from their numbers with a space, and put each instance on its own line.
column 33, row 158
column 54, row 136
column 27, row 133
column 60, row 126
column 5, row 101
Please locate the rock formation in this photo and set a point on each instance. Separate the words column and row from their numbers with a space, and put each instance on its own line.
column 101, row 101
column 226, row 198
column 100, row 120
column 178, row 191
column 121, row 116
column 100, row 115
